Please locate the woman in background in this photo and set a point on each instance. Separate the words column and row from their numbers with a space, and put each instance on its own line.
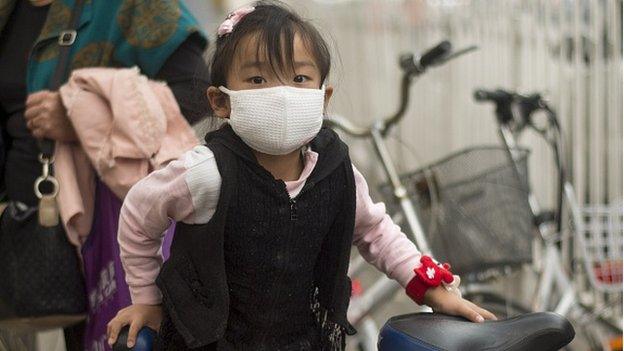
column 161, row 37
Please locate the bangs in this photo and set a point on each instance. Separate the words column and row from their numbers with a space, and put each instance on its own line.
column 276, row 44
column 275, row 28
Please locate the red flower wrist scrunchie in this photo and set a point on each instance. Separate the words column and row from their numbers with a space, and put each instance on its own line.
column 428, row 275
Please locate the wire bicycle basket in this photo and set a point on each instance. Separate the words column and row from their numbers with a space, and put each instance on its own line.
column 474, row 208
column 600, row 239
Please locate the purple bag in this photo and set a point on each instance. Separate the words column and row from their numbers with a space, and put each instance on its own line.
column 107, row 290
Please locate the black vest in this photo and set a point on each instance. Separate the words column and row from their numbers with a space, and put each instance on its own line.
column 266, row 270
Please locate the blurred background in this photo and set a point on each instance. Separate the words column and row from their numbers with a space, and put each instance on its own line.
column 570, row 51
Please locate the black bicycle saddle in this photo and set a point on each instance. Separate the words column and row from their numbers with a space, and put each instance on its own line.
column 544, row 331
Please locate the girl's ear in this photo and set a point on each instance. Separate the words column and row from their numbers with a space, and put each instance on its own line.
column 329, row 91
column 219, row 102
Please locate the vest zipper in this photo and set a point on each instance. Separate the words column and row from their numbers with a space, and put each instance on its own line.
column 293, row 201
column 293, row 209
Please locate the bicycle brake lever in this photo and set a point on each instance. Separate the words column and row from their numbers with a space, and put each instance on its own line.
column 456, row 54
column 409, row 66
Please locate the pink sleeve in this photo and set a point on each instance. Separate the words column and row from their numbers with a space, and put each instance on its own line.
column 379, row 240
column 143, row 220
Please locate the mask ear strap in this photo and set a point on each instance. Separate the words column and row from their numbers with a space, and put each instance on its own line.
column 225, row 90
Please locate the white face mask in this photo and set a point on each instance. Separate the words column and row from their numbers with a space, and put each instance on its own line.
column 276, row 120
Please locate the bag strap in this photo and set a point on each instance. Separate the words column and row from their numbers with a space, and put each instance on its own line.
column 66, row 39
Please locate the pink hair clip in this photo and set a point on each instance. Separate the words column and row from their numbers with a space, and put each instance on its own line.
column 232, row 20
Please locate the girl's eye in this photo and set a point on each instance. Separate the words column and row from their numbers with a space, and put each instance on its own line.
column 301, row 79
column 257, row 80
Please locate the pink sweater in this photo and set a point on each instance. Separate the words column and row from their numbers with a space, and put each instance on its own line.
column 187, row 190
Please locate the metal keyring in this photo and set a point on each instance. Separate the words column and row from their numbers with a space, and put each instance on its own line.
column 43, row 159
column 50, row 179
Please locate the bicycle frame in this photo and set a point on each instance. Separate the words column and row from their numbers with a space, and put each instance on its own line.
column 553, row 277
column 384, row 288
column 553, row 273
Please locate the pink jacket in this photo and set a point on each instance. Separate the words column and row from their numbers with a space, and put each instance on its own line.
column 127, row 126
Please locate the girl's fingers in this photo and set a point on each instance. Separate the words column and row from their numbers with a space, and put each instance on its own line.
column 485, row 313
column 135, row 326
column 114, row 327
column 152, row 324
column 467, row 312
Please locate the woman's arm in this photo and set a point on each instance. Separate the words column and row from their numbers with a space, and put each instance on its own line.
column 186, row 74
column 4, row 143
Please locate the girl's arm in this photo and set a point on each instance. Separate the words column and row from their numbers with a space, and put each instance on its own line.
column 382, row 244
column 151, row 203
column 379, row 240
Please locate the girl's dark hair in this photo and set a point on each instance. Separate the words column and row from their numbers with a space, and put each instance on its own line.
column 276, row 26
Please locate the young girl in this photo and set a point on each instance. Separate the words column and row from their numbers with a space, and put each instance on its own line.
column 267, row 211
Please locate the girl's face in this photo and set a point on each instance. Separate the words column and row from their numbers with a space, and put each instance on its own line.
column 251, row 70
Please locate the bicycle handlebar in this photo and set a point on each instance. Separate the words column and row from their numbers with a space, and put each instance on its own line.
column 411, row 68
column 502, row 99
column 435, row 54
column 496, row 96
column 527, row 105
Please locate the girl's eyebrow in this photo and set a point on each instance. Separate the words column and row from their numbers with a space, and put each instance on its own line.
column 254, row 64
column 299, row 64
column 264, row 64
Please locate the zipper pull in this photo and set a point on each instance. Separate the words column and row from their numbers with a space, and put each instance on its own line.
column 293, row 210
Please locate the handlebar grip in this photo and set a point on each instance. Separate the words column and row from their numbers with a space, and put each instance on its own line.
column 502, row 99
column 531, row 102
column 433, row 55
column 497, row 95
column 482, row 95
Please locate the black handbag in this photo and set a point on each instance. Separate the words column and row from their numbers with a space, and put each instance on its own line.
column 41, row 280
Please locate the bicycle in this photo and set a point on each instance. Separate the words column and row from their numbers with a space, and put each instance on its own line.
column 484, row 194
column 383, row 289
column 425, row 331
column 602, row 260
column 435, row 332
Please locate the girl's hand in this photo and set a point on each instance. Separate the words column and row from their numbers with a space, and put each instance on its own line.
column 443, row 301
column 137, row 316
column 46, row 117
